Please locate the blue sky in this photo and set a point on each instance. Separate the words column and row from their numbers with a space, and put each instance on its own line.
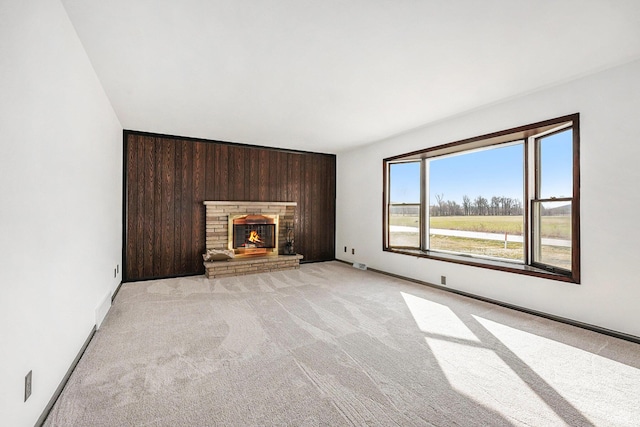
column 557, row 162
column 487, row 173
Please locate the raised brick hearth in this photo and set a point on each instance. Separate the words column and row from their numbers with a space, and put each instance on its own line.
column 217, row 237
column 251, row 265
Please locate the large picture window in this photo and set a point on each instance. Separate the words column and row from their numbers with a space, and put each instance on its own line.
column 507, row 201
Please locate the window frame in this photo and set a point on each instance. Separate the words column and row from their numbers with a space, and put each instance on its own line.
column 388, row 206
column 530, row 134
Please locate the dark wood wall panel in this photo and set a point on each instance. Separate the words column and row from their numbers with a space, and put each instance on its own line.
column 196, row 209
column 168, row 178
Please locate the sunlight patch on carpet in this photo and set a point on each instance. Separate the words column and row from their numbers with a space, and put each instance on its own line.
column 472, row 368
column 552, row 360
column 437, row 319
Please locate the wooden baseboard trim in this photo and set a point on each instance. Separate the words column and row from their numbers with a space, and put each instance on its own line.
column 115, row 293
column 58, row 392
column 590, row 327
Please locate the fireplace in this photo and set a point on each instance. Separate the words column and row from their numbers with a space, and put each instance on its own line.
column 253, row 235
column 219, row 228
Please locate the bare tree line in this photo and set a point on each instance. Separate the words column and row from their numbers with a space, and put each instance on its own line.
column 480, row 206
column 497, row 205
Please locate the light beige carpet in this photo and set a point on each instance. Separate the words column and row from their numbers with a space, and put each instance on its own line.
column 329, row 345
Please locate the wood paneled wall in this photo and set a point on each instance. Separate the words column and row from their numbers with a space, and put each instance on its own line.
column 167, row 179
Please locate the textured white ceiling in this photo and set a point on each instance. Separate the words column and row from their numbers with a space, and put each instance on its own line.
column 329, row 75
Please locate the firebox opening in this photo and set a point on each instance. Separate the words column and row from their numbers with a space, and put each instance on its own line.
column 253, row 235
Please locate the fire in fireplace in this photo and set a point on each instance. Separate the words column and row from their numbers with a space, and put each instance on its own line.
column 253, row 235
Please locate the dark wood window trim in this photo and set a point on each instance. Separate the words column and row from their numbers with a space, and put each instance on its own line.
column 523, row 132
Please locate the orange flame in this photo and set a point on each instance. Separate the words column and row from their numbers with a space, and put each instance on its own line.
column 254, row 237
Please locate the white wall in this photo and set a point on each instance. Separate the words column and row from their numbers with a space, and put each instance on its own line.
column 60, row 202
column 608, row 103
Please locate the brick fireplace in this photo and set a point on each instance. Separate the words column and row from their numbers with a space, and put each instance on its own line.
column 255, row 250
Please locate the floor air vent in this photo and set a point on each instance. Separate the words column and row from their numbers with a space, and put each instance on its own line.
column 360, row 265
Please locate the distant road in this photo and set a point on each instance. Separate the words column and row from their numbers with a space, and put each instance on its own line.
column 478, row 235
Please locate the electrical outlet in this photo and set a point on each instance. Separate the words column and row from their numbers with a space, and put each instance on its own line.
column 27, row 385
column 443, row 280
column 353, row 251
